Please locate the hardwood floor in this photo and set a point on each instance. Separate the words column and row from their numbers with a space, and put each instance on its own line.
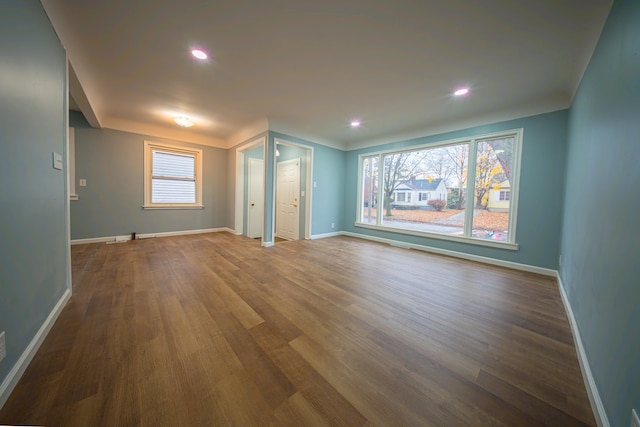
column 212, row 329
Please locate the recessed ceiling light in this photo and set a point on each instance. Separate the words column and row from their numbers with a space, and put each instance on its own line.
column 461, row 91
column 199, row 54
column 355, row 123
column 185, row 122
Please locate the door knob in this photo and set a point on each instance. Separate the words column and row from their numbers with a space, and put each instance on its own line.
column 295, row 206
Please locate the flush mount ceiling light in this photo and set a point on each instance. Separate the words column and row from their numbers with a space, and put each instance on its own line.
column 199, row 54
column 462, row 91
column 185, row 122
column 355, row 123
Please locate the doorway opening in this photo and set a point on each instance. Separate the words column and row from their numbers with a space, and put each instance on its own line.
column 250, row 189
column 292, row 191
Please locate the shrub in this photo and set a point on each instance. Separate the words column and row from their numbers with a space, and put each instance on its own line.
column 437, row 204
column 453, row 200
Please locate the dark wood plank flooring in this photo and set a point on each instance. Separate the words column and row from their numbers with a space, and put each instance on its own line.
column 213, row 329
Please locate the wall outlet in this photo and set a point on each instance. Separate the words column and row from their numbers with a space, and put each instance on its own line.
column 333, row 225
column 635, row 420
column 3, row 347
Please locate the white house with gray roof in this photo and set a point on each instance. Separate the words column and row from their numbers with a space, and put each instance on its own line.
column 418, row 192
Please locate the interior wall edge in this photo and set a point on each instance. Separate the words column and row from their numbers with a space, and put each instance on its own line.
column 597, row 405
column 27, row 355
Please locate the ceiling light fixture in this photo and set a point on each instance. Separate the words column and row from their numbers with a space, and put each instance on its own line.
column 185, row 122
column 199, row 54
column 355, row 123
column 461, row 91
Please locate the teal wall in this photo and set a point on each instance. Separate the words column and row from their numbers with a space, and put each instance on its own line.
column 600, row 241
column 111, row 203
column 540, row 196
column 33, row 236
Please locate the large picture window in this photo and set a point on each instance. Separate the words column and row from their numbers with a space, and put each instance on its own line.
column 456, row 190
column 173, row 176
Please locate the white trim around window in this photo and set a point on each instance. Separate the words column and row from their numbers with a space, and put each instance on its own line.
column 371, row 189
column 176, row 182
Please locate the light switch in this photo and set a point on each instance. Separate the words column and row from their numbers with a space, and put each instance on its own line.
column 302, row 194
column 315, row 184
column 83, row 183
column 57, row 161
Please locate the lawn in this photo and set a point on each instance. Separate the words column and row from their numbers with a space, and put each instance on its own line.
column 484, row 220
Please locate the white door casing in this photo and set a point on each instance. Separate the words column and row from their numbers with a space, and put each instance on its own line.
column 240, row 194
column 255, row 198
column 288, row 199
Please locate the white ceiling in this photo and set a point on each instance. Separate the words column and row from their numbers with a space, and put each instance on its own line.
column 310, row 67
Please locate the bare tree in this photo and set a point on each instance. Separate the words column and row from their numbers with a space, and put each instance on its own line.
column 398, row 168
column 459, row 162
column 370, row 184
column 438, row 163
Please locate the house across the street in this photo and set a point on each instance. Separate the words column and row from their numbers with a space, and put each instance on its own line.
column 418, row 192
column 499, row 197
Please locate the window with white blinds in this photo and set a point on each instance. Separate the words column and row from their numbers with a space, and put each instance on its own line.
column 172, row 176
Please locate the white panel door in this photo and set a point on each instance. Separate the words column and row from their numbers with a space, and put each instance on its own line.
column 288, row 199
column 255, row 198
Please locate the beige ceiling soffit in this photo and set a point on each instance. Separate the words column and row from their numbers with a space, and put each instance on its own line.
column 276, row 125
column 558, row 103
column 76, row 91
column 73, row 45
column 176, row 134
column 248, row 132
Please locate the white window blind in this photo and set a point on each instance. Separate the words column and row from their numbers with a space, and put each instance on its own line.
column 172, row 176
column 173, row 179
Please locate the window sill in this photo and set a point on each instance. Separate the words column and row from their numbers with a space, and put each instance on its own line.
column 459, row 239
column 156, row 207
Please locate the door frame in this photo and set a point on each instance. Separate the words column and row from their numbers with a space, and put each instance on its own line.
column 240, row 172
column 251, row 164
column 279, row 165
column 308, row 187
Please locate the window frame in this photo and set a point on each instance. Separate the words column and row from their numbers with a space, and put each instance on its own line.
column 149, row 148
column 472, row 141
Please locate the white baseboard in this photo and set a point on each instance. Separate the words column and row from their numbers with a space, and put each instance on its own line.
column 184, row 232
column 98, row 240
column 21, row 365
column 124, row 238
column 470, row 257
column 325, row 235
column 592, row 390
